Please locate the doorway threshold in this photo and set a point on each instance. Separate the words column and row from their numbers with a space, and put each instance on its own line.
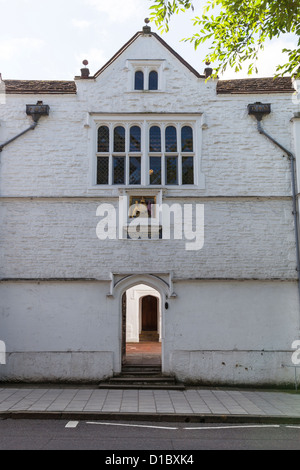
column 143, row 353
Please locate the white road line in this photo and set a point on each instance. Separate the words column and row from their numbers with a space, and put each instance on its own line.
column 295, row 427
column 130, row 425
column 236, row 427
column 99, row 423
column 72, row 424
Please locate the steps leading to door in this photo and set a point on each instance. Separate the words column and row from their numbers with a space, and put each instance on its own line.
column 142, row 377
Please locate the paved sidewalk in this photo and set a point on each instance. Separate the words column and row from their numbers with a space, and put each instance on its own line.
column 197, row 405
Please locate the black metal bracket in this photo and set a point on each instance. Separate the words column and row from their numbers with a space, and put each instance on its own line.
column 259, row 110
column 37, row 110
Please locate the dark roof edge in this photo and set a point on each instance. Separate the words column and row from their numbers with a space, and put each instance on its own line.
column 184, row 62
column 117, row 54
column 266, row 85
column 260, row 85
column 39, row 87
column 254, row 92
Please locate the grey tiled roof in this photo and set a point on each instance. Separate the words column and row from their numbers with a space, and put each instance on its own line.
column 256, row 85
column 235, row 86
column 39, row 87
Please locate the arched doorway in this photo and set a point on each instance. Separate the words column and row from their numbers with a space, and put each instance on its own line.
column 141, row 326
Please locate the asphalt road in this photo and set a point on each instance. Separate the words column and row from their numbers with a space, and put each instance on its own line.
column 181, row 442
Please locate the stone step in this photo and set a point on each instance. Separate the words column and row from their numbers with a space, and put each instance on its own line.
column 142, row 380
column 130, row 370
column 137, row 377
column 108, row 386
column 141, row 374
column 142, row 366
column 146, row 336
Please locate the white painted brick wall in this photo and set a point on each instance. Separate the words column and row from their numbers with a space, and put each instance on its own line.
column 57, row 238
column 250, row 238
column 48, row 230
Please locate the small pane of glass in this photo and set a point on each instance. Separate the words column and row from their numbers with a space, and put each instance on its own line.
column 103, row 139
column 171, row 139
column 139, row 80
column 102, row 170
column 171, row 170
column 155, row 170
column 155, row 139
column 153, row 80
column 135, row 139
column 119, row 170
column 119, row 139
column 135, row 170
column 187, row 139
column 187, row 170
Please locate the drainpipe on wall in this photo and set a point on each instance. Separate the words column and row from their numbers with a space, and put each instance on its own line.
column 259, row 110
column 36, row 111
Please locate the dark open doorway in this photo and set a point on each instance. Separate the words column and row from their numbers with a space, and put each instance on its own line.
column 149, row 314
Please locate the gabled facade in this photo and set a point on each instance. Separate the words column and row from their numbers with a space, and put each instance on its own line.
column 148, row 178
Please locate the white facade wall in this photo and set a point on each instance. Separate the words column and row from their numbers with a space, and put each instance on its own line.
column 212, row 332
column 56, row 157
column 236, row 310
column 54, row 238
column 232, row 332
column 54, row 331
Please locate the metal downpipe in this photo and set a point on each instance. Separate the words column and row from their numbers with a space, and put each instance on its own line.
column 33, row 126
column 292, row 159
column 36, row 111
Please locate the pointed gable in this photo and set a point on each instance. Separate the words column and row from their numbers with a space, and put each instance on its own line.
column 133, row 40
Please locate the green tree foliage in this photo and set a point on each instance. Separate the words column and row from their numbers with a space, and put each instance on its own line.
column 237, row 29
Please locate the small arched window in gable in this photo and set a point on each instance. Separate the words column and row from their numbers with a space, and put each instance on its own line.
column 139, row 80
column 187, row 144
column 103, row 139
column 153, row 80
column 171, row 139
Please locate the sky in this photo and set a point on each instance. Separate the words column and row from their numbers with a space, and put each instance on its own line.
column 49, row 39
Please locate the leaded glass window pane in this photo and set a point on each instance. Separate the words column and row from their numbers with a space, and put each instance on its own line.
column 187, row 139
column 120, row 163
column 155, row 139
column 119, row 139
column 103, row 139
column 139, row 80
column 135, row 139
column 119, row 170
column 155, row 170
column 187, row 170
column 102, row 170
column 135, row 170
column 171, row 170
column 153, row 80
column 171, row 139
